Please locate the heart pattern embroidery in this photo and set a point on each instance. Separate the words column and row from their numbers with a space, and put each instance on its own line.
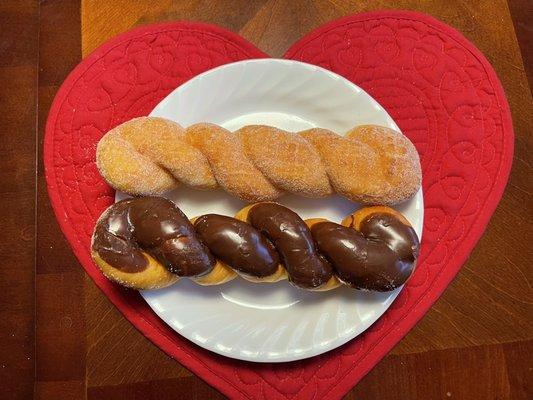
column 437, row 86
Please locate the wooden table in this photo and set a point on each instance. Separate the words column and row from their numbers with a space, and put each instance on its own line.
column 62, row 339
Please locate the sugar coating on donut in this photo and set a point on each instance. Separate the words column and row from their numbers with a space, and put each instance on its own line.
column 151, row 155
column 399, row 161
column 231, row 168
column 127, row 170
column 351, row 165
column 163, row 142
column 286, row 159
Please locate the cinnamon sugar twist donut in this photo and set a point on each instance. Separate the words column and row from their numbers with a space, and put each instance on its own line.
column 150, row 155
column 148, row 243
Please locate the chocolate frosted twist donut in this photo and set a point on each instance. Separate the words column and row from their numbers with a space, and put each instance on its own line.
column 148, row 243
column 238, row 244
column 149, row 236
column 290, row 235
column 380, row 254
column 370, row 165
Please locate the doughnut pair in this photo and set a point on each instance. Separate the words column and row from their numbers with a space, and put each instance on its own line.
column 370, row 165
column 148, row 243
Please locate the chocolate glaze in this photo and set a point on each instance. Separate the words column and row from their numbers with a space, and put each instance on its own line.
column 158, row 227
column 113, row 240
column 238, row 244
column 380, row 257
column 292, row 238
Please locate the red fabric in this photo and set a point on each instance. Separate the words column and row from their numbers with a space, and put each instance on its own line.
column 437, row 86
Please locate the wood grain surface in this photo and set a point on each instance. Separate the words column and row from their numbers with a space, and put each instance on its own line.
column 19, row 49
column 62, row 339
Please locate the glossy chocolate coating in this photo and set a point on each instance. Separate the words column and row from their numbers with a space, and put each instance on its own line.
column 158, row 227
column 380, row 257
column 113, row 240
column 238, row 244
column 292, row 238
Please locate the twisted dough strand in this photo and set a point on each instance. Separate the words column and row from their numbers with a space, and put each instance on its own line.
column 148, row 243
column 151, row 155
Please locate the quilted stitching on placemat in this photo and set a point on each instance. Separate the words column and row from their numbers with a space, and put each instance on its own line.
column 439, row 89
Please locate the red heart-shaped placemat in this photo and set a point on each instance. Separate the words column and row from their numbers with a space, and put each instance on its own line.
column 437, row 86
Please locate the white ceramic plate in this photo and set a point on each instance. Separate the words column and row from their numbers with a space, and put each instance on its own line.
column 271, row 322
